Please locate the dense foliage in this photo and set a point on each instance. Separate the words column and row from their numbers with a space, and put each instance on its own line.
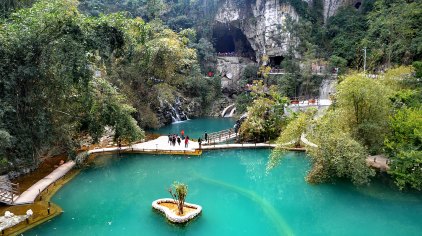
column 364, row 104
column 290, row 136
column 369, row 116
column 64, row 74
column 338, row 154
column 389, row 29
column 403, row 142
column 48, row 93
column 265, row 115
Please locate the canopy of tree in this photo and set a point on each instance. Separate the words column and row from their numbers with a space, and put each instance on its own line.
column 369, row 116
column 49, row 95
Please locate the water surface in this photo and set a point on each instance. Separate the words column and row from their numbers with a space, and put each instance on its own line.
column 238, row 198
column 196, row 128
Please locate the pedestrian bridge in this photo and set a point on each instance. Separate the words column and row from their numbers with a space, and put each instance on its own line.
column 220, row 136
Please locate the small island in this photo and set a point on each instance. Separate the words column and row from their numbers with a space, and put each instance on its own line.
column 176, row 209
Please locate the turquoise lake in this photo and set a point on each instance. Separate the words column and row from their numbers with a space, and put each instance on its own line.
column 238, row 197
column 197, row 127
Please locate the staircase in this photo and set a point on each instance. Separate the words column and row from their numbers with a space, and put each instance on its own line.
column 9, row 191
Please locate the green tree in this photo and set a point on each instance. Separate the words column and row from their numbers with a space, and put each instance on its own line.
column 265, row 116
column 366, row 106
column 339, row 156
column 47, row 59
column 179, row 191
column 290, row 136
column 404, row 145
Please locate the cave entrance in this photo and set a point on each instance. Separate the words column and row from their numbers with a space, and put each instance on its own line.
column 225, row 44
column 230, row 41
column 276, row 61
column 357, row 5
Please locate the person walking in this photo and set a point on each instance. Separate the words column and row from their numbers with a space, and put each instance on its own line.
column 186, row 141
column 178, row 140
column 200, row 142
column 206, row 136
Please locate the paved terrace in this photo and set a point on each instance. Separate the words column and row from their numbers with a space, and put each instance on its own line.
column 158, row 146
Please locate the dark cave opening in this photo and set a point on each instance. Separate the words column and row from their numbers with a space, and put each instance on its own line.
column 276, row 61
column 357, row 5
column 225, row 44
column 230, row 41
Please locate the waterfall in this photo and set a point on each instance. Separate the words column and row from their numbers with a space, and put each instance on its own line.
column 175, row 117
column 224, row 113
column 232, row 112
column 177, row 114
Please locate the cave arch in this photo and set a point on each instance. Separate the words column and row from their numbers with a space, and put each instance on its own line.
column 230, row 40
column 275, row 61
column 358, row 4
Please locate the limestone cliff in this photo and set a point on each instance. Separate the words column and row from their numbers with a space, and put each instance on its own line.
column 263, row 22
column 332, row 6
column 231, row 69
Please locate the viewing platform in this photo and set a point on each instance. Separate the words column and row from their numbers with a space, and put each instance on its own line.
column 160, row 145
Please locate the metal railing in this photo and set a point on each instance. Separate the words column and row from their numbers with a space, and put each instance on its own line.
column 8, row 191
column 220, row 136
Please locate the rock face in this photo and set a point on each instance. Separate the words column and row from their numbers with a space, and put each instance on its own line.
column 178, row 110
column 332, row 6
column 219, row 105
column 231, row 69
column 263, row 22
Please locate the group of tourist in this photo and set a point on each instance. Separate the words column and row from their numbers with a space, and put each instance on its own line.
column 174, row 138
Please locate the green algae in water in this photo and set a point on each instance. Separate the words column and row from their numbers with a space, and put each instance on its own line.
column 237, row 196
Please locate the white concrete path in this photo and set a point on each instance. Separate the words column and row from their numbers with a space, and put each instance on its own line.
column 31, row 193
column 238, row 145
column 159, row 144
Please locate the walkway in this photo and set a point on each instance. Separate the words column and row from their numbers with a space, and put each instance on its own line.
column 31, row 193
column 220, row 136
column 379, row 162
column 309, row 103
column 161, row 146
column 238, row 145
column 247, row 145
column 156, row 146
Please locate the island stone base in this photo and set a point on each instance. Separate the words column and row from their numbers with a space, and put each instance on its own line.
column 172, row 215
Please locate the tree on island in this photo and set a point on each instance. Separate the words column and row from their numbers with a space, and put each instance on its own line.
column 178, row 192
